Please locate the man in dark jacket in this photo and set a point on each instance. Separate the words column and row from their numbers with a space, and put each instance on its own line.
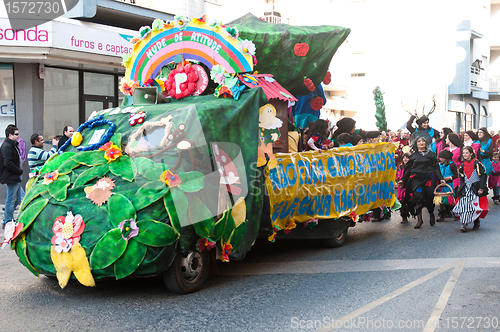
column 10, row 172
column 67, row 134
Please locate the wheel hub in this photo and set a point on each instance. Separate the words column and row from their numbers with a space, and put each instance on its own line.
column 191, row 265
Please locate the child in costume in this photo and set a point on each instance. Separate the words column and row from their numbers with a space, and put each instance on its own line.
column 472, row 202
column 455, row 146
column 344, row 139
column 318, row 136
column 494, row 179
column 450, row 173
column 402, row 190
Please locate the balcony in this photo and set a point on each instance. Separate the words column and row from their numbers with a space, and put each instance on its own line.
column 478, row 78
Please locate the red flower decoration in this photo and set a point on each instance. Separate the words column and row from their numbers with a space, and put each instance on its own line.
column 309, row 84
column 171, row 179
column 106, row 146
column 226, row 251
column 112, row 153
column 205, row 244
column 317, row 103
column 181, row 82
column 328, row 78
column 301, row 49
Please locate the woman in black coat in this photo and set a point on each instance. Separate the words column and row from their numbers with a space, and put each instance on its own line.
column 420, row 177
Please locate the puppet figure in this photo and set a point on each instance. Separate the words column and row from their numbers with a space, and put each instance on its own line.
column 269, row 133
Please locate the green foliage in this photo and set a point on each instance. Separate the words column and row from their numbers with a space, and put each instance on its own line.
column 108, row 249
column 380, row 112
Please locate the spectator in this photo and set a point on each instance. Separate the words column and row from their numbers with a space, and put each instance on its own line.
column 36, row 155
column 293, row 138
column 10, row 173
column 67, row 134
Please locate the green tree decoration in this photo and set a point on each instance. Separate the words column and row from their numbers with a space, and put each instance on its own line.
column 380, row 112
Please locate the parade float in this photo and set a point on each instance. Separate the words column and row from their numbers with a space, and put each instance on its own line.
column 194, row 164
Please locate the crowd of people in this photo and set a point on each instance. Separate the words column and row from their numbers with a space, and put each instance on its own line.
column 436, row 168
column 13, row 154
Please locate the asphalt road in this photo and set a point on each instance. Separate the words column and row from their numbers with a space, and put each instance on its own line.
column 387, row 277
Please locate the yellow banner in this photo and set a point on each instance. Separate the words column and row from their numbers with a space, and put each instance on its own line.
column 331, row 183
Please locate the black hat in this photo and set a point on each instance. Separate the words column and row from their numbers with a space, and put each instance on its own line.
column 422, row 119
column 344, row 125
column 447, row 131
column 445, row 154
column 455, row 140
column 472, row 135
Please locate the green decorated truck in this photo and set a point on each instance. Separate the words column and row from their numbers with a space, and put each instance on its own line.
column 193, row 166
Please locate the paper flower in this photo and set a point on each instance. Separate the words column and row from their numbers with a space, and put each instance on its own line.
column 316, row 103
column 168, row 25
column 309, row 84
column 217, row 74
column 328, row 78
column 48, row 178
column 69, row 227
column 157, row 25
column 202, row 19
column 223, row 91
column 126, row 59
column 226, row 251
column 301, row 49
column 136, row 118
column 246, row 46
column 269, row 79
column 272, row 237
column 100, row 192
column 12, row 230
column 171, row 179
column 129, row 229
column 77, row 139
column 205, row 244
column 135, row 41
column 106, row 146
column 354, row 216
column 62, row 244
column 144, row 31
column 255, row 62
column 214, row 24
column 311, row 223
column 181, row 22
column 289, row 226
column 112, row 153
column 127, row 86
column 233, row 32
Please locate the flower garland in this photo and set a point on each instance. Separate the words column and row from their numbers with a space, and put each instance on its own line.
column 90, row 124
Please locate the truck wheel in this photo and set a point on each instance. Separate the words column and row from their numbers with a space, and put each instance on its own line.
column 187, row 273
column 335, row 242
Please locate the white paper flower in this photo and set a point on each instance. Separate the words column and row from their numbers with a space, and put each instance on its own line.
column 247, row 46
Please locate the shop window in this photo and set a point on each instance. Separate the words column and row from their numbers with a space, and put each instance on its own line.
column 7, row 112
column 98, row 84
column 61, row 106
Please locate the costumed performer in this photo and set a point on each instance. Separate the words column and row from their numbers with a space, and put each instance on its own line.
column 401, row 190
column 420, row 176
column 485, row 149
column 471, row 139
column 348, row 125
column 441, row 142
column 494, row 178
column 472, row 201
column 422, row 125
column 449, row 172
column 318, row 135
column 455, row 146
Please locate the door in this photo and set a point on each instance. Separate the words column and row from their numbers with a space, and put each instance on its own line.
column 96, row 103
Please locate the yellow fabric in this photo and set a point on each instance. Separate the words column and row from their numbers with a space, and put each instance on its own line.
column 293, row 141
column 74, row 261
column 239, row 211
column 332, row 183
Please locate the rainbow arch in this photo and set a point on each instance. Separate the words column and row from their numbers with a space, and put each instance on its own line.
column 197, row 41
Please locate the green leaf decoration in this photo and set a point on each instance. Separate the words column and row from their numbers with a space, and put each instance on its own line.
column 145, row 197
column 154, row 185
column 31, row 212
column 32, row 194
column 30, row 183
column 237, row 235
column 117, row 140
column 59, row 188
column 228, row 228
column 124, row 167
column 120, row 209
column 130, row 260
column 90, row 158
column 201, row 218
column 172, row 213
column 55, row 161
column 219, row 227
column 108, row 250
column 192, row 181
column 23, row 255
column 90, row 174
column 67, row 167
column 180, row 204
column 155, row 234
column 149, row 169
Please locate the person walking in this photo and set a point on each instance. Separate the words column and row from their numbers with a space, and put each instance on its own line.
column 449, row 173
column 36, row 155
column 67, row 134
column 10, row 173
column 494, row 178
column 485, row 149
column 455, row 146
column 472, row 202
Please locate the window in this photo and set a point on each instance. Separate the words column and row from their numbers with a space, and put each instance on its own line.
column 7, row 111
column 469, row 117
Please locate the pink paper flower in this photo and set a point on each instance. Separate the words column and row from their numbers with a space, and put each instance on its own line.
column 129, row 229
column 69, row 227
column 48, row 178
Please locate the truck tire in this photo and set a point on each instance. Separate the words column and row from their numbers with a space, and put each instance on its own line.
column 188, row 272
column 335, row 242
